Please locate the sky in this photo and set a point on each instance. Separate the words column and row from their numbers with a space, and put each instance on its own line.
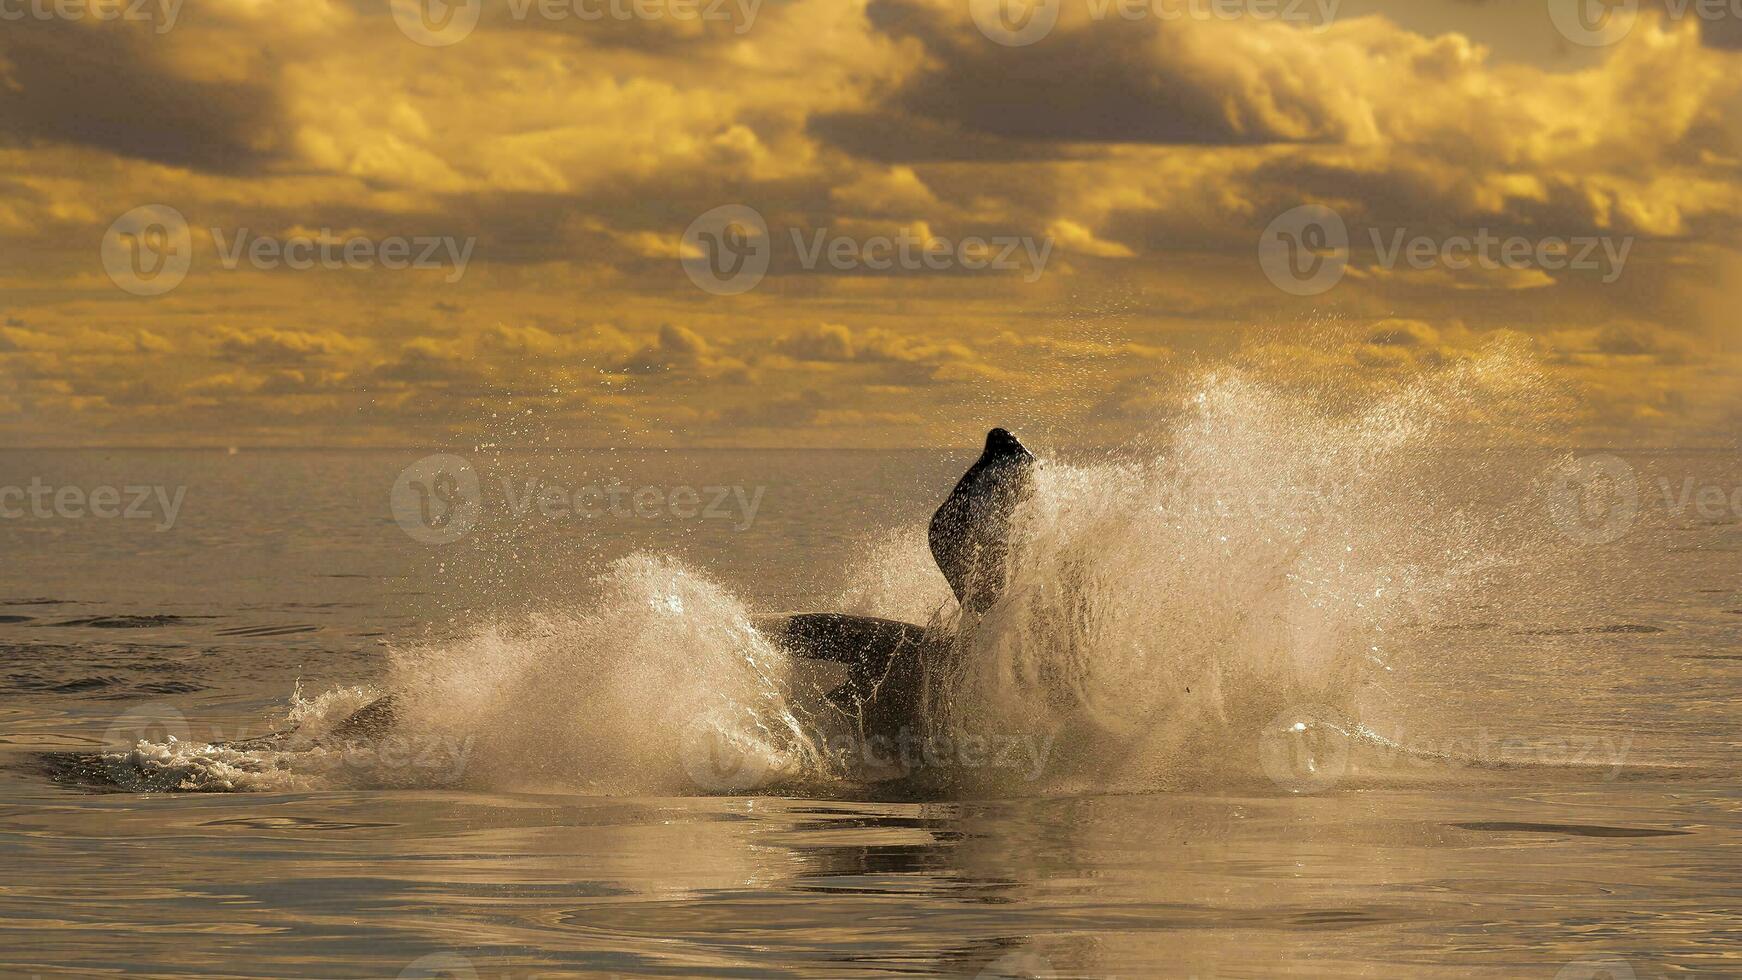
column 862, row 223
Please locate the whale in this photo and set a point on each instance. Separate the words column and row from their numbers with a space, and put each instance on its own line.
column 891, row 663
column 888, row 663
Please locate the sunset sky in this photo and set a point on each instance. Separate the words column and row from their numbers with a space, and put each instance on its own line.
column 1144, row 158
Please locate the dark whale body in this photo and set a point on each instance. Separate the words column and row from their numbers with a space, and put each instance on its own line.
column 888, row 662
column 970, row 533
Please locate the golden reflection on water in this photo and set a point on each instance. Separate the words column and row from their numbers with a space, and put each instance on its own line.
column 1372, row 883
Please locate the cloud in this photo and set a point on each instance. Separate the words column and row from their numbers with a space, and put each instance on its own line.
column 267, row 345
column 1073, row 237
column 1152, row 154
column 117, row 87
column 1621, row 342
column 1114, row 81
column 824, row 342
column 675, row 350
column 834, row 342
column 897, row 192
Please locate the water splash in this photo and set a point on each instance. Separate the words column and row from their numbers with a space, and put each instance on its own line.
column 618, row 698
column 1269, row 548
column 1165, row 606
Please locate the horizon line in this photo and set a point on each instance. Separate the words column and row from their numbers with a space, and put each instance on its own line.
column 434, row 448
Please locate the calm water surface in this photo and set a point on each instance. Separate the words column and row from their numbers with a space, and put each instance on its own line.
column 1603, row 836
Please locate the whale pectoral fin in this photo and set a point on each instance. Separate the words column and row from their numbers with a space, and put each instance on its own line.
column 870, row 648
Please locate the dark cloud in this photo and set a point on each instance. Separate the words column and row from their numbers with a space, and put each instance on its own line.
column 1105, row 81
column 108, row 87
column 894, row 136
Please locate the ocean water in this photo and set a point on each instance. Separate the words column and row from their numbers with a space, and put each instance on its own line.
column 1283, row 688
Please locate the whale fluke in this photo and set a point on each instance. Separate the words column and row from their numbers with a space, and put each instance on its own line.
column 969, row 534
column 881, row 656
column 838, row 637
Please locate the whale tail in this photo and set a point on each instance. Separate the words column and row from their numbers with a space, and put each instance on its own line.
column 969, row 539
column 970, row 533
column 880, row 654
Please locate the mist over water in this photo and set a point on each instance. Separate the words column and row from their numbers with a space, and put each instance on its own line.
column 1264, row 551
